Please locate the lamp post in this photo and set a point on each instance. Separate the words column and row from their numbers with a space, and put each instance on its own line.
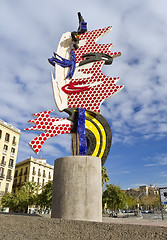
column 138, row 203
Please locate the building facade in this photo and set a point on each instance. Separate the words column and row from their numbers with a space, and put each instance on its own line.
column 9, row 141
column 32, row 170
column 143, row 190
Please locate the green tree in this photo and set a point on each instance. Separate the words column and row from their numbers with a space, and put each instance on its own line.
column 25, row 197
column 131, row 202
column 105, row 178
column 114, row 197
column 150, row 202
column 44, row 199
column 8, row 201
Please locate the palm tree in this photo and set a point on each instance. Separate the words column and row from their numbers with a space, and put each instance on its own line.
column 105, row 178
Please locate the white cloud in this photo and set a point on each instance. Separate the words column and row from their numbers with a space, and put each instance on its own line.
column 157, row 160
column 30, row 32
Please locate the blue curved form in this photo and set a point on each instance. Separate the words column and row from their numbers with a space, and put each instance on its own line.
column 56, row 59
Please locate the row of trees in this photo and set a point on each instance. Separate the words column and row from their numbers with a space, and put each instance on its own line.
column 113, row 197
column 28, row 196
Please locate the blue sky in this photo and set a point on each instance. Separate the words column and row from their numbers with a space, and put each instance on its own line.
column 30, row 32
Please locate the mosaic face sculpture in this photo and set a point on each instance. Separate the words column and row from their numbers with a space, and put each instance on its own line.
column 79, row 89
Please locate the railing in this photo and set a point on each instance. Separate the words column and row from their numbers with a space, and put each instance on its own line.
column 34, row 172
column 10, row 165
column 9, row 178
column 12, row 154
column 3, row 163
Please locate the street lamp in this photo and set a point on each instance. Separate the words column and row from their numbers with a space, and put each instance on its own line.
column 138, row 203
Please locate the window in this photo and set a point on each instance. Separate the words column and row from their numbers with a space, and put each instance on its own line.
column 6, row 187
column 9, row 174
column 16, row 173
column 12, row 151
column 39, row 172
column 32, row 179
column 43, row 182
column 1, row 172
column 5, row 148
column 3, row 160
column 0, row 133
column 44, row 175
column 38, row 181
column 21, row 172
column 11, row 162
column 49, row 175
column 25, row 179
column 26, row 171
column 14, row 140
column 15, row 182
column 33, row 171
column 7, row 137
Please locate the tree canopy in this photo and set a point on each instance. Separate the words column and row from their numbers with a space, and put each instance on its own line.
column 114, row 197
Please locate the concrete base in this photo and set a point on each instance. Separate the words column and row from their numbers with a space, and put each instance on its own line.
column 77, row 188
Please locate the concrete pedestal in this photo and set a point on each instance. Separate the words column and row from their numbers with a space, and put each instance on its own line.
column 77, row 188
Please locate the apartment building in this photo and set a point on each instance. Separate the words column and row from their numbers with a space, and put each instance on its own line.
column 32, row 169
column 9, row 141
column 143, row 190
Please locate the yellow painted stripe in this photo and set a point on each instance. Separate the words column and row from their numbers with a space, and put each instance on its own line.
column 102, row 132
column 89, row 125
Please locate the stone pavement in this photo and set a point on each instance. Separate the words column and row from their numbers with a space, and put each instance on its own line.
column 136, row 221
column 28, row 227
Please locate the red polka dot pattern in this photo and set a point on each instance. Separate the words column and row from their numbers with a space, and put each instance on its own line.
column 52, row 127
column 92, row 98
column 88, row 97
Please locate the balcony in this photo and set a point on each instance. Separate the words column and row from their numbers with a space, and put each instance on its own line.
column 3, row 163
column 10, row 166
column 12, row 154
column 39, row 174
column 34, row 172
column 44, row 175
column 5, row 151
column 9, row 178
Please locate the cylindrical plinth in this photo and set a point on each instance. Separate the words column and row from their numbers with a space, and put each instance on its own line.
column 77, row 188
